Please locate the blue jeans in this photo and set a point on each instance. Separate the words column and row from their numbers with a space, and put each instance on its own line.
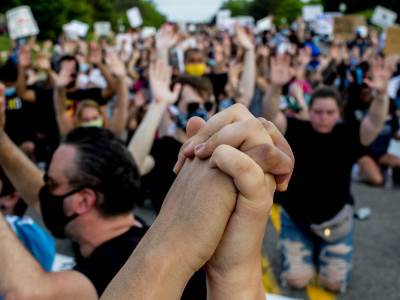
column 302, row 252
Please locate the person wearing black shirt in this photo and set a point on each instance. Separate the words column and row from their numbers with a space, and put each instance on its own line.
column 317, row 207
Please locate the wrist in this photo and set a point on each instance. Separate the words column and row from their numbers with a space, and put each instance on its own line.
column 238, row 284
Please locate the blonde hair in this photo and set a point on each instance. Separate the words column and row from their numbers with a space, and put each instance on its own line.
column 86, row 104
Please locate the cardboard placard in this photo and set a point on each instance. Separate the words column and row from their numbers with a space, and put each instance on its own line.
column 245, row 21
column 75, row 29
column 264, row 24
column 148, row 32
column 383, row 17
column 134, row 17
column 223, row 15
column 102, row 28
column 392, row 44
column 20, row 22
column 345, row 27
column 311, row 12
column 323, row 25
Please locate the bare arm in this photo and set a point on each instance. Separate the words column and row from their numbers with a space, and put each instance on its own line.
column 23, row 278
column 24, row 61
column 373, row 123
column 142, row 141
column 281, row 73
column 64, row 122
column 248, row 78
column 109, row 90
column 165, row 39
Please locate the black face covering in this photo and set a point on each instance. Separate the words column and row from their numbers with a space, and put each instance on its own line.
column 52, row 208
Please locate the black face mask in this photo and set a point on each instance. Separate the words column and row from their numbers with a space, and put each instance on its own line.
column 52, row 208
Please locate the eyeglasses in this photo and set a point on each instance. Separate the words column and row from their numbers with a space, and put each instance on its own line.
column 193, row 106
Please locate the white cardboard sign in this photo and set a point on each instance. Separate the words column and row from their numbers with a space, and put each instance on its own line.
column 324, row 25
column 148, row 32
column 134, row 17
column 20, row 22
column 223, row 15
column 311, row 12
column 264, row 24
column 383, row 17
column 102, row 28
column 75, row 29
column 245, row 21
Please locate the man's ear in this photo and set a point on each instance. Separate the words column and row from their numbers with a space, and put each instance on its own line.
column 9, row 201
column 87, row 200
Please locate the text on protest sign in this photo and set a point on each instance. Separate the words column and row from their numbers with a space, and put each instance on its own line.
column 134, row 17
column 21, row 23
column 383, row 17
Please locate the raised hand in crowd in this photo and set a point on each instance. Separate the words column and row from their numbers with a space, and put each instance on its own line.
column 281, row 71
column 166, row 38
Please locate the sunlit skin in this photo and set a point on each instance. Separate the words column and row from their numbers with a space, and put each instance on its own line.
column 324, row 114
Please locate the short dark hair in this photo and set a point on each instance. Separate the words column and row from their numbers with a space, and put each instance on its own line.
column 67, row 57
column 190, row 51
column 202, row 85
column 7, row 188
column 326, row 92
column 104, row 164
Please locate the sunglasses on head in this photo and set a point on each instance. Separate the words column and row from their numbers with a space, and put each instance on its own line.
column 193, row 106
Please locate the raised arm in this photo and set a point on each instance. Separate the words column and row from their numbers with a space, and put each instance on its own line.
column 248, row 77
column 142, row 141
column 166, row 38
column 64, row 122
column 120, row 113
column 280, row 74
column 22, row 172
column 24, row 62
column 373, row 123
column 96, row 58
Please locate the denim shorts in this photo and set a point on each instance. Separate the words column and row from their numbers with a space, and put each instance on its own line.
column 303, row 253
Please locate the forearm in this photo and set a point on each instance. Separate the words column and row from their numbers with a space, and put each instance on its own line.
column 141, row 143
column 109, row 91
column 120, row 114
column 151, row 273
column 247, row 287
column 22, row 172
column 248, row 79
column 60, row 108
column 271, row 102
column 21, row 83
column 373, row 123
column 162, row 54
column 21, row 275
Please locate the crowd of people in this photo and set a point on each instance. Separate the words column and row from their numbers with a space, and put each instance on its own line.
column 205, row 124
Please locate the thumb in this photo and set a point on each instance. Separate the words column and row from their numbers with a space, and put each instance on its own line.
column 193, row 126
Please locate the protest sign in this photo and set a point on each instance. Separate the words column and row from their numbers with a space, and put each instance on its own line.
column 223, row 15
column 102, row 28
column 264, row 24
column 148, row 32
column 20, row 22
column 245, row 21
column 76, row 29
column 345, row 27
column 311, row 12
column 392, row 43
column 383, row 17
column 134, row 17
column 323, row 25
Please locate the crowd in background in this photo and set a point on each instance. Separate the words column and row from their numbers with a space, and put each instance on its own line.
column 145, row 88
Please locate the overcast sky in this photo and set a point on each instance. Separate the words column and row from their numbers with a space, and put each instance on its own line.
column 188, row 10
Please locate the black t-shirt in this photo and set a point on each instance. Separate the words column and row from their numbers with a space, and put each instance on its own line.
column 19, row 118
column 106, row 261
column 158, row 182
column 320, row 185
